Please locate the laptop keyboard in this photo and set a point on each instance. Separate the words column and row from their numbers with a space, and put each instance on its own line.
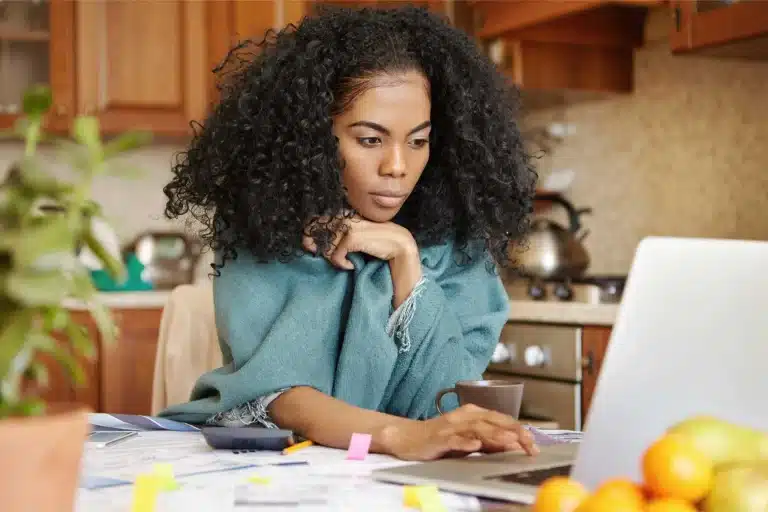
column 535, row 477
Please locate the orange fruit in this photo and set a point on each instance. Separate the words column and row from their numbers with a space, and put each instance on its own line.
column 559, row 494
column 615, row 495
column 674, row 468
column 669, row 505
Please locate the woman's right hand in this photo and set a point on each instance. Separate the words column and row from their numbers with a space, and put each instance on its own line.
column 462, row 431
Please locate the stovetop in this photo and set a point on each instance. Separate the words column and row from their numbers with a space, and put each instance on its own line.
column 586, row 290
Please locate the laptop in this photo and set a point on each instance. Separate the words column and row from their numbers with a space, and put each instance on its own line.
column 691, row 337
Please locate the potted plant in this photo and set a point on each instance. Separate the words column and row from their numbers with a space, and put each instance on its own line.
column 44, row 222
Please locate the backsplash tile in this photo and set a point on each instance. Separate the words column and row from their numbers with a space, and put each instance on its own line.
column 685, row 155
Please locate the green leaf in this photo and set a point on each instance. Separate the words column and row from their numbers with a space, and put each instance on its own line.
column 30, row 407
column 37, row 100
column 13, row 338
column 82, row 286
column 79, row 337
column 85, row 130
column 38, row 373
column 126, row 142
column 125, row 171
column 47, row 344
column 38, row 182
column 104, row 322
column 45, row 235
column 38, row 288
column 55, row 319
column 114, row 266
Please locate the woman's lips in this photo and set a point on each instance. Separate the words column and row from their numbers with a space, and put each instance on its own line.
column 388, row 200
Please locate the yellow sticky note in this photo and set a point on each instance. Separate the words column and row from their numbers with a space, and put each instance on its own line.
column 145, row 491
column 414, row 496
column 165, row 478
column 429, row 500
column 256, row 479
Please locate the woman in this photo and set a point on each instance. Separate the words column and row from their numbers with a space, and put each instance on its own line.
column 360, row 180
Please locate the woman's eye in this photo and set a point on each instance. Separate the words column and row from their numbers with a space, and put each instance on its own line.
column 419, row 143
column 369, row 141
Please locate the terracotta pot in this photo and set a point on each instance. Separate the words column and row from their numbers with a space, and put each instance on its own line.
column 40, row 460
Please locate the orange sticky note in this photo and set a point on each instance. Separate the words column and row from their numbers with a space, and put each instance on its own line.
column 145, row 490
column 297, row 447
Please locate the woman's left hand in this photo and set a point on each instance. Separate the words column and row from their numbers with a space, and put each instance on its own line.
column 383, row 240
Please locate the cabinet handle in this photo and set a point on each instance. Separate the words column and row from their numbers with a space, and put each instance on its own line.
column 587, row 363
column 678, row 16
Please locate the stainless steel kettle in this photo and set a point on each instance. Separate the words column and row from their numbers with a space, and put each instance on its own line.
column 552, row 251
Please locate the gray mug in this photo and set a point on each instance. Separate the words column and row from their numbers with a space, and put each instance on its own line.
column 504, row 396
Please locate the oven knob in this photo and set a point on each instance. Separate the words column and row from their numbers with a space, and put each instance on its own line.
column 500, row 353
column 534, row 356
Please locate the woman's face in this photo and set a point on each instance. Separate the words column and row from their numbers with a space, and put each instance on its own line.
column 384, row 142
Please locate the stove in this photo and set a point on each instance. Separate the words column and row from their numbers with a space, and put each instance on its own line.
column 586, row 290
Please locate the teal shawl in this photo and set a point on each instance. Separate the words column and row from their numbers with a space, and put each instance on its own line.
column 306, row 323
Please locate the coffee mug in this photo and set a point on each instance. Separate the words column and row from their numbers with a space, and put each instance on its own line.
column 504, row 396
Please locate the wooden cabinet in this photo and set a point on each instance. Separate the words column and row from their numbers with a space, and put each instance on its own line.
column 594, row 342
column 128, row 366
column 36, row 47
column 722, row 28
column 142, row 65
column 119, row 379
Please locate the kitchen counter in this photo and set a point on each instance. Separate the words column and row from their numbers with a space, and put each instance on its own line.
column 562, row 312
column 126, row 300
column 519, row 311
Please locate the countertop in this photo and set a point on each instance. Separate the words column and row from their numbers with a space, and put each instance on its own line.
column 519, row 311
column 562, row 312
column 126, row 300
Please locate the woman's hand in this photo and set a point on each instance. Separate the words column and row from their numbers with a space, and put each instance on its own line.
column 465, row 430
column 383, row 240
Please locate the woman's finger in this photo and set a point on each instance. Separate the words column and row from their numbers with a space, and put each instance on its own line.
column 338, row 256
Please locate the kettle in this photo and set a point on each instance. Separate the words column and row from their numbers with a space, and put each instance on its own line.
column 552, row 251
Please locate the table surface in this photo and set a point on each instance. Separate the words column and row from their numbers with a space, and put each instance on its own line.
column 322, row 473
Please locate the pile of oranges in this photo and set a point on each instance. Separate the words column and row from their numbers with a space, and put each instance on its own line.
column 676, row 477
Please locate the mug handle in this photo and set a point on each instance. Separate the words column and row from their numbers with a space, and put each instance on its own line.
column 440, row 396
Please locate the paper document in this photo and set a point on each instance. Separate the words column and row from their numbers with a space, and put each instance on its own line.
column 102, row 421
column 546, row 437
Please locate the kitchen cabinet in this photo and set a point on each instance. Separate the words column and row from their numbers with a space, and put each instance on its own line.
column 563, row 52
column 119, row 379
column 29, row 33
column 594, row 343
column 721, row 28
column 141, row 65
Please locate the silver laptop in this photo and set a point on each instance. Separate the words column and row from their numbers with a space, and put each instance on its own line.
column 691, row 337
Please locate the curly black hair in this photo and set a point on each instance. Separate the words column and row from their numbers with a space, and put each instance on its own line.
column 265, row 161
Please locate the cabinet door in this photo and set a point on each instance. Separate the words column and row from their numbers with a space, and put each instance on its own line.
column 142, row 65
column 60, row 389
column 727, row 28
column 594, row 342
column 127, row 367
column 29, row 32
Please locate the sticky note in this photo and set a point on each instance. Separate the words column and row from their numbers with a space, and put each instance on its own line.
column 359, row 446
column 423, row 497
column 256, row 479
column 145, row 491
column 297, row 447
column 164, row 476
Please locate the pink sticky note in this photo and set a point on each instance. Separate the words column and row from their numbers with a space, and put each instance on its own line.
column 358, row 446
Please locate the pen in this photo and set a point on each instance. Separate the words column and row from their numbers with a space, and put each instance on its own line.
column 297, row 447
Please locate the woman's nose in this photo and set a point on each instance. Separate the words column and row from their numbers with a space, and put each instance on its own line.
column 394, row 163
